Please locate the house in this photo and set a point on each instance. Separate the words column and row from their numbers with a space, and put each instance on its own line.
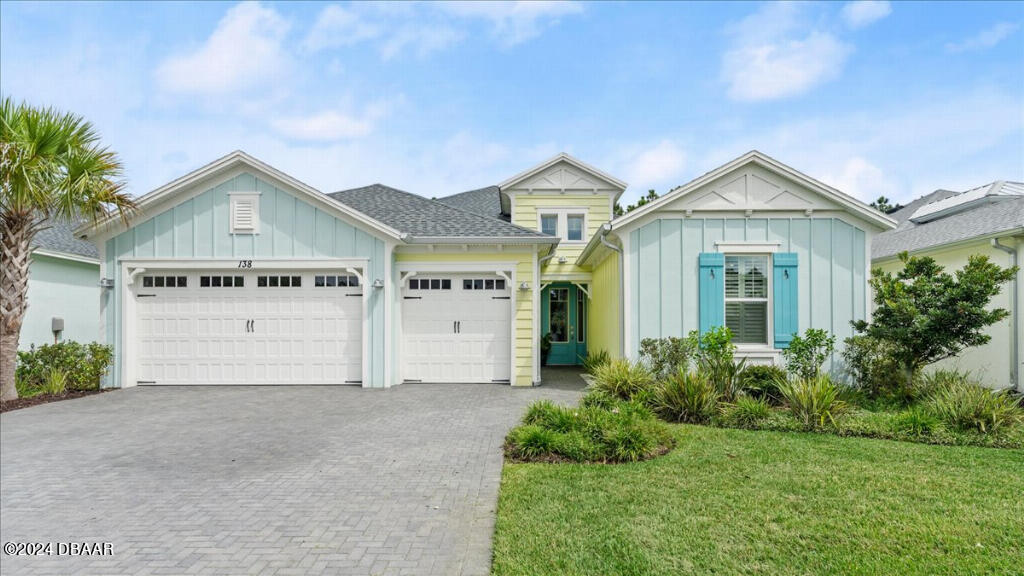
column 239, row 273
column 753, row 245
column 63, row 289
column 951, row 226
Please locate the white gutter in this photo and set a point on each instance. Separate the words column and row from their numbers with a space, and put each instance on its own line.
column 479, row 240
column 1014, row 315
column 605, row 229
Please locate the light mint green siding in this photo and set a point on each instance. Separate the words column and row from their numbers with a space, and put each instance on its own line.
column 664, row 255
column 66, row 289
column 198, row 228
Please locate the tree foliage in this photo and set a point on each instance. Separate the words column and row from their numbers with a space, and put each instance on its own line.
column 924, row 314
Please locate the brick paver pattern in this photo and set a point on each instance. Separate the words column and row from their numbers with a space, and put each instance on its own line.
column 262, row 480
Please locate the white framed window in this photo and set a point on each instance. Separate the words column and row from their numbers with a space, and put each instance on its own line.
column 549, row 224
column 245, row 212
column 747, row 305
column 569, row 224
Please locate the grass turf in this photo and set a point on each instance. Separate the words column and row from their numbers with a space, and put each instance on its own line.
column 756, row 502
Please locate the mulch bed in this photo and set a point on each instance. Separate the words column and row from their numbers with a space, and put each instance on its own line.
column 44, row 398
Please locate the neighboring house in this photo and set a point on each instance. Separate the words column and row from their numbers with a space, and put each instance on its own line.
column 753, row 245
column 238, row 273
column 950, row 227
column 63, row 284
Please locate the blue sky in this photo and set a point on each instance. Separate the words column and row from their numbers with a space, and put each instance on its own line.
column 873, row 98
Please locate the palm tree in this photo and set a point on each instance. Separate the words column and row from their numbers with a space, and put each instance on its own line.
column 52, row 167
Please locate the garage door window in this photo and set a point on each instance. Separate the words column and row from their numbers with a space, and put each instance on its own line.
column 430, row 284
column 221, row 281
column 165, row 282
column 279, row 281
column 330, row 281
column 483, row 284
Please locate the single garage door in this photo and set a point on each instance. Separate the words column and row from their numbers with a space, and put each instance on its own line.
column 456, row 328
column 252, row 327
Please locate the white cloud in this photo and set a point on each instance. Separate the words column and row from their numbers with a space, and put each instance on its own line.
column 514, row 22
column 658, row 165
column 336, row 27
column 864, row 12
column 771, row 60
column 332, row 125
column 421, row 38
column 984, row 39
column 246, row 49
column 860, row 178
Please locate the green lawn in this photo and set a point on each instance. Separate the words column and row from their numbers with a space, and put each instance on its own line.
column 742, row 502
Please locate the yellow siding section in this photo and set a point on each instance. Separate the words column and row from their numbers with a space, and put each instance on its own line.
column 523, row 374
column 603, row 328
column 598, row 209
column 993, row 362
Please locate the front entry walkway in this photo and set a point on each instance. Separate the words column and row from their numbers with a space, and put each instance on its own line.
column 261, row 480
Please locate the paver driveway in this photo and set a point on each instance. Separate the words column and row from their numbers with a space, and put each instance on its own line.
column 254, row 480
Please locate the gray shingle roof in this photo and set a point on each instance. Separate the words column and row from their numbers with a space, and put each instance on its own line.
column 1003, row 215
column 60, row 237
column 484, row 201
column 419, row 216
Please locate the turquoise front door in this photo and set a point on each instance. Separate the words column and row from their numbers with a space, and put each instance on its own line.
column 564, row 317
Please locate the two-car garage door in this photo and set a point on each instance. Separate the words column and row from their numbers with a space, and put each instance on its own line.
column 247, row 327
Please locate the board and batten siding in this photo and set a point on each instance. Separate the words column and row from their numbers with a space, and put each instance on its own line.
column 198, row 229
column 62, row 288
column 603, row 331
column 664, row 266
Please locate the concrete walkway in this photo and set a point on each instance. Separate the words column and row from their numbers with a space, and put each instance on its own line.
column 262, row 480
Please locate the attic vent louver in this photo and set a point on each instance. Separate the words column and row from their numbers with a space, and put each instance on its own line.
column 245, row 212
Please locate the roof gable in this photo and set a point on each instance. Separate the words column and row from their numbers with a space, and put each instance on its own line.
column 755, row 181
column 226, row 167
column 563, row 173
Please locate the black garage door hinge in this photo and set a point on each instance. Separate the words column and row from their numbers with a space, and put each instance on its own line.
column 412, row 297
column 145, row 381
column 501, row 297
column 145, row 295
column 353, row 294
column 353, row 381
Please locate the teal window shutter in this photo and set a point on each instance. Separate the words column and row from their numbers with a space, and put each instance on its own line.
column 711, row 290
column 784, row 294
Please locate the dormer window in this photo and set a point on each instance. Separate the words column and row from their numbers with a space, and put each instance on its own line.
column 549, row 224
column 569, row 224
column 245, row 212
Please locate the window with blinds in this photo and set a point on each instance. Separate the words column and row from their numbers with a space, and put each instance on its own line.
column 746, row 298
column 245, row 213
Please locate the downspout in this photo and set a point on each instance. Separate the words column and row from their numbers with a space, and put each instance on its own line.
column 1015, row 315
column 605, row 229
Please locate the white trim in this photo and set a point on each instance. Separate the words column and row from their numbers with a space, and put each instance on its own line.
column 580, row 286
column 535, row 322
column 769, row 301
column 367, row 290
column 466, row 240
column 627, row 298
column 66, row 256
column 389, row 317
column 567, row 277
column 257, row 263
column 455, row 267
column 852, row 204
column 748, row 247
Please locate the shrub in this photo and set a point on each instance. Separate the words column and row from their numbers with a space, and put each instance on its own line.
column 686, row 397
column 55, row 383
column 916, row 421
column 814, row 401
column 599, row 399
column 665, row 356
column 717, row 354
column 594, row 360
column 626, row 432
column 622, row 379
column 964, row 405
column 872, row 368
column 746, row 411
column 83, row 364
column 807, row 353
column 762, row 382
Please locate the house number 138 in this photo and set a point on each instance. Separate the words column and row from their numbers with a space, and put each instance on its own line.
column 245, row 263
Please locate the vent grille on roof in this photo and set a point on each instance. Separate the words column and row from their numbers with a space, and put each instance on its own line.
column 244, row 213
